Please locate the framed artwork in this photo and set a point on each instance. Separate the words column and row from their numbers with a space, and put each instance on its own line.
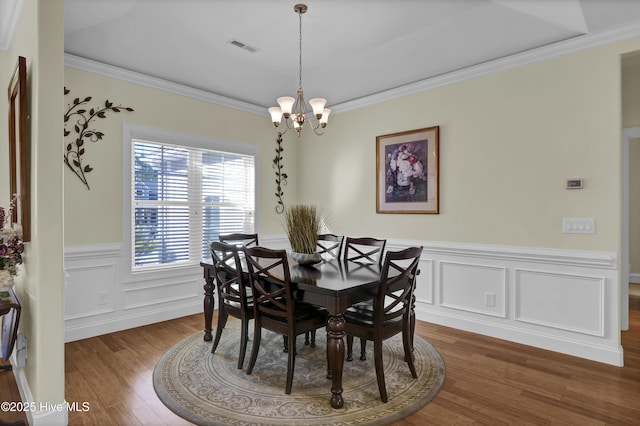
column 407, row 172
column 19, row 149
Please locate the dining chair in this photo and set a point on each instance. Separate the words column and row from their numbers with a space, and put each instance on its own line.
column 275, row 307
column 390, row 313
column 330, row 246
column 239, row 239
column 364, row 250
column 234, row 297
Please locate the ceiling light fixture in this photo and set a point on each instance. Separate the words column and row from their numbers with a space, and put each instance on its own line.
column 294, row 110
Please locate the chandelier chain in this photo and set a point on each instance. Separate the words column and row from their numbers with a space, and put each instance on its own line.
column 300, row 52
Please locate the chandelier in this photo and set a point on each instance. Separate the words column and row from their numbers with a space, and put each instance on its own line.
column 293, row 110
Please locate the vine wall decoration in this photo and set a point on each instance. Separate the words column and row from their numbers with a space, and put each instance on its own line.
column 281, row 176
column 73, row 156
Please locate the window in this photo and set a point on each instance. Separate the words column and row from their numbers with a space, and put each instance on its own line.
column 182, row 197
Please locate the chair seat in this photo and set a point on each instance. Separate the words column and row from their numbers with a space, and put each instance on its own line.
column 363, row 314
column 304, row 311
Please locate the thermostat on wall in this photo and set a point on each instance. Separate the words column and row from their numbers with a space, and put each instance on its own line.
column 574, row 183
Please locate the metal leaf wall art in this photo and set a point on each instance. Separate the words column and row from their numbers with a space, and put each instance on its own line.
column 79, row 117
column 281, row 176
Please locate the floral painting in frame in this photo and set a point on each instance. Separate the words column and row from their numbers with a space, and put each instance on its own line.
column 407, row 172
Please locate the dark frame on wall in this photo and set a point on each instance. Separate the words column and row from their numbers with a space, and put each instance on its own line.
column 407, row 172
column 19, row 150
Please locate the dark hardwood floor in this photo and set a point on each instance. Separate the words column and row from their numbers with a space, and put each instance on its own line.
column 488, row 381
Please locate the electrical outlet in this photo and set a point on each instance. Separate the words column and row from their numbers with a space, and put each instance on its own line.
column 490, row 299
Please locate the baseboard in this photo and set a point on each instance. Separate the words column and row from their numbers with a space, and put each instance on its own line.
column 100, row 327
column 634, row 278
column 575, row 348
column 42, row 414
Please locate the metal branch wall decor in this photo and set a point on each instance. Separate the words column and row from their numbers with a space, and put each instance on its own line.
column 82, row 117
column 281, row 176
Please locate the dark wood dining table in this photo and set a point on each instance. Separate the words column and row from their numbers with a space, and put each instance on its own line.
column 335, row 285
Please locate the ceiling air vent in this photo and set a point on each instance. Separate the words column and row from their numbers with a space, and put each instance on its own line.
column 242, row 45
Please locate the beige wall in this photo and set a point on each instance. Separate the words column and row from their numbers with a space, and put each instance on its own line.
column 508, row 142
column 631, row 118
column 94, row 216
column 39, row 38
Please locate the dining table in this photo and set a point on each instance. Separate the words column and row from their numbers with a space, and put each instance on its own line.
column 334, row 284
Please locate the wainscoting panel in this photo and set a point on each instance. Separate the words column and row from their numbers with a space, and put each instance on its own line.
column 567, row 302
column 170, row 292
column 560, row 300
column 425, row 282
column 101, row 298
column 94, row 291
column 473, row 288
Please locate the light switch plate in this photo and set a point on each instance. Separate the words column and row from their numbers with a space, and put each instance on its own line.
column 578, row 226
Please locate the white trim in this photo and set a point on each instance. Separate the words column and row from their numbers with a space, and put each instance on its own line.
column 574, row 44
column 37, row 417
column 97, row 326
column 118, row 73
column 625, row 263
column 134, row 131
column 595, row 336
column 587, row 350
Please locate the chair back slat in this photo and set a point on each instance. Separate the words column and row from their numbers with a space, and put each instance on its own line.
column 242, row 240
column 270, row 282
column 228, row 267
column 397, row 284
column 364, row 250
column 330, row 246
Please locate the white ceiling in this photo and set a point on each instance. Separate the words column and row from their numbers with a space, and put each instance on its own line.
column 351, row 48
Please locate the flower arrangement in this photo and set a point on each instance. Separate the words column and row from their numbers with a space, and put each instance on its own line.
column 11, row 248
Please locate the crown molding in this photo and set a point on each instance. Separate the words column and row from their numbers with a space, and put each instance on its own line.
column 571, row 45
column 9, row 14
column 560, row 48
column 111, row 71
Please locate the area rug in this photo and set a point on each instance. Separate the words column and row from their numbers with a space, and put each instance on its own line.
column 208, row 389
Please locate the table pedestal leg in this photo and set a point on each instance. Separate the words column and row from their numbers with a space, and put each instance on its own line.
column 335, row 352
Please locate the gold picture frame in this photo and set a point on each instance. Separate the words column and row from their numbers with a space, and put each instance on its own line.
column 19, row 150
column 408, row 172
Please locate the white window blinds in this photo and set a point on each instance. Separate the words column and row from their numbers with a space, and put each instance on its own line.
column 184, row 197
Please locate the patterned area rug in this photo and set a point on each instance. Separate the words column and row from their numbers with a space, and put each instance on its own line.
column 208, row 389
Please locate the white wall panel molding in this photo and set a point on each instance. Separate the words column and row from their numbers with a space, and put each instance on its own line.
column 474, row 288
column 426, row 281
column 98, row 300
column 561, row 300
column 568, row 258
column 569, row 302
column 81, row 253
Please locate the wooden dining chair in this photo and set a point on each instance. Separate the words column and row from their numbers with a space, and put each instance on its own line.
column 239, row 239
column 330, row 246
column 233, row 293
column 364, row 250
column 390, row 313
column 275, row 307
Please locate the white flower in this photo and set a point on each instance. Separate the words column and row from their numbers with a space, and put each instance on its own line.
column 6, row 279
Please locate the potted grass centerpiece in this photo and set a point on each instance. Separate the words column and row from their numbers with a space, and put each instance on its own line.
column 302, row 224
